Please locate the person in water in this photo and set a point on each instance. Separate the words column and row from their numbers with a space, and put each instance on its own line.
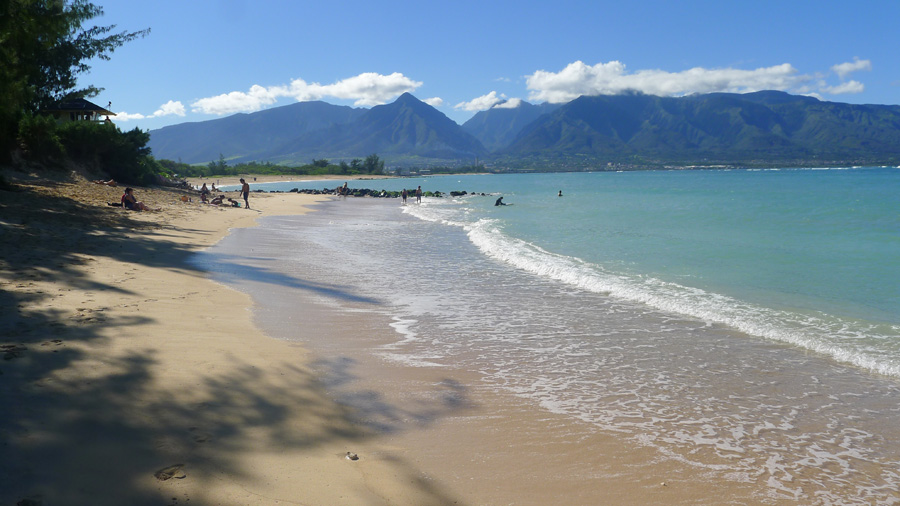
column 560, row 193
column 500, row 202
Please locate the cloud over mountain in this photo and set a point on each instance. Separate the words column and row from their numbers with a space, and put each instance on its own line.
column 576, row 79
column 611, row 78
column 366, row 89
column 481, row 103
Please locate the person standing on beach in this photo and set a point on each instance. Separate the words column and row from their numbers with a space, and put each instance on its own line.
column 245, row 191
column 403, row 195
column 419, row 195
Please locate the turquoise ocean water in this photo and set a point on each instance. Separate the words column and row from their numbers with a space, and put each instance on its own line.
column 745, row 322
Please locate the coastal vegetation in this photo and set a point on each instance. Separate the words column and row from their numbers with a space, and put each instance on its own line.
column 371, row 165
column 46, row 46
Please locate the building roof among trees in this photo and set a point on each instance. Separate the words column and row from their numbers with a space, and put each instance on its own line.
column 79, row 105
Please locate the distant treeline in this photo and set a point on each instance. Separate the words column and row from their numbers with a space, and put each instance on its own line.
column 371, row 165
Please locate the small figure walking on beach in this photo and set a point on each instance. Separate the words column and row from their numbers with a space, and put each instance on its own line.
column 419, row 195
column 403, row 195
column 245, row 192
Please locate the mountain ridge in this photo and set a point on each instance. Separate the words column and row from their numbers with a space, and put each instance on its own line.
column 760, row 128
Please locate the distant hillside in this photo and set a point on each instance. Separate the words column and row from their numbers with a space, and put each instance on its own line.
column 630, row 130
column 246, row 136
column 767, row 126
column 498, row 127
column 405, row 128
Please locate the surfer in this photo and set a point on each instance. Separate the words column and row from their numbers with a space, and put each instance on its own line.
column 560, row 193
column 499, row 202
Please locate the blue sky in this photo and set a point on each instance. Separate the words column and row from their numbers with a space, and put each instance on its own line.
column 206, row 59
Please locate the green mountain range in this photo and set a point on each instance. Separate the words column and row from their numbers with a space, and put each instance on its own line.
column 499, row 126
column 762, row 128
column 407, row 129
column 246, row 136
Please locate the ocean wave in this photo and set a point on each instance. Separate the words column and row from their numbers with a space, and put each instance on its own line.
column 845, row 340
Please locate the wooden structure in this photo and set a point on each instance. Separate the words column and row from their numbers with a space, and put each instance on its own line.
column 79, row 109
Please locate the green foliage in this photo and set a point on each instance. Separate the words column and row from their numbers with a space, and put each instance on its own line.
column 38, row 139
column 218, row 167
column 102, row 147
column 172, row 168
column 43, row 50
column 372, row 165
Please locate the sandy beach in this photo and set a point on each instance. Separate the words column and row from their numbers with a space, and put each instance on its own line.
column 131, row 378
column 255, row 179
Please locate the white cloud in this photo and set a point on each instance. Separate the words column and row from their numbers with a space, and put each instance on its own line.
column 578, row 79
column 366, row 89
column 845, row 69
column 239, row 101
column 434, row 101
column 124, row 116
column 481, row 103
column 843, row 88
column 370, row 89
column 509, row 104
column 171, row 107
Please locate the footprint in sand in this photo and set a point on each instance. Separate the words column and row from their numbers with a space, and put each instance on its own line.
column 11, row 351
column 167, row 473
column 199, row 436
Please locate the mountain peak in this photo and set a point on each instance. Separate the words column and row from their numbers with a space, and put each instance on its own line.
column 407, row 98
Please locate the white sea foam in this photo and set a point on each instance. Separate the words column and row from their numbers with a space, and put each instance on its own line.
column 840, row 339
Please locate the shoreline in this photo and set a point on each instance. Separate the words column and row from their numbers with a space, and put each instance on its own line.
column 132, row 378
column 487, row 444
column 282, row 178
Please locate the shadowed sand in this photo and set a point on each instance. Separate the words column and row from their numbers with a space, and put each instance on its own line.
column 129, row 378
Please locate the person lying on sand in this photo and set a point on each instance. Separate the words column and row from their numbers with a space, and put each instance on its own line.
column 130, row 202
column 111, row 182
column 220, row 200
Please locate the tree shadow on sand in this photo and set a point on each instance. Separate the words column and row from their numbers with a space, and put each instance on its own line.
column 62, row 434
